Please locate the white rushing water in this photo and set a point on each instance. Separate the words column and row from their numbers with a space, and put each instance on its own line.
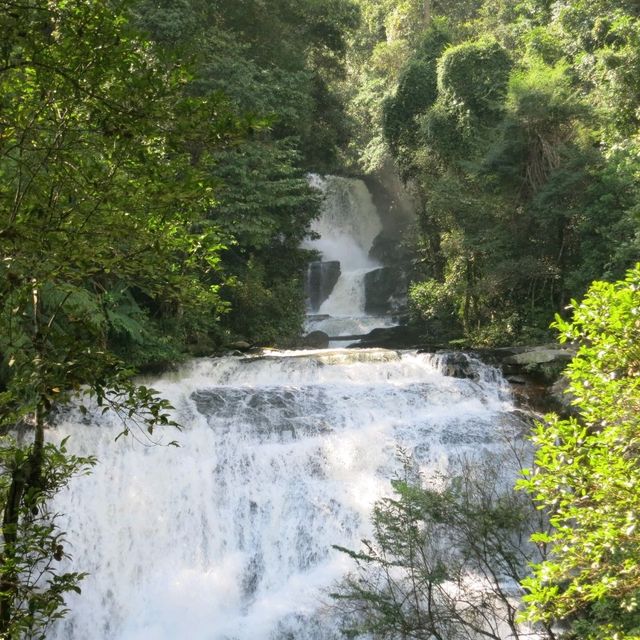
column 229, row 537
column 348, row 225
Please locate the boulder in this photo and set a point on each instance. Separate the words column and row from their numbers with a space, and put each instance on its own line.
column 383, row 288
column 562, row 399
column 316, row 340
column 535, row 374
column 543, row 363
column 458, row 365
column 321, row 279
column 239, row 345
column 539, row 355
column 399, row 337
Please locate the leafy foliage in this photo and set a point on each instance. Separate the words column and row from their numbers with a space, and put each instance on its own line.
column 417, row 91
column 33, row 590
column 474, row 75
column 522, row 156
column 586, row 474
column 443, row 557
column 521, row 207
column 95, row 125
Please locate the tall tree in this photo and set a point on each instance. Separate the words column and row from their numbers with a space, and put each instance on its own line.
column 101, row 183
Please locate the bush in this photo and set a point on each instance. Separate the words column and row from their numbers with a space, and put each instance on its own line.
column 587, row 474
column 430, row 299
column 445, row 557
column 475, row 75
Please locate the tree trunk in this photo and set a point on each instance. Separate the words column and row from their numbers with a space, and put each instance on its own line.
column 426, row 13
column 466, row 309
column 10, row 519
column 26, row 484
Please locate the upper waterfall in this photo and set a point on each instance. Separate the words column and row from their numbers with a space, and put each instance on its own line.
column 349, row 222
column 347, row 228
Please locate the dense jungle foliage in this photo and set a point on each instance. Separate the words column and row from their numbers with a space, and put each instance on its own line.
column 153, row 193
column 516, row 127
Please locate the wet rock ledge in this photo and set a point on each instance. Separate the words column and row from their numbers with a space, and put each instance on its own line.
column 534, row 372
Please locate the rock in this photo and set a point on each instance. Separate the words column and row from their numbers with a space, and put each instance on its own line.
column 561, row 399
column 316, row 340
column 396, row 206
column 545, row 364
column 532, row 396
column 458, row 365
column 239, row 345
column 382, row 289
column 539, row 355
column 321, row 279
column 535, row 374
column 400, row 337
column 516, row 379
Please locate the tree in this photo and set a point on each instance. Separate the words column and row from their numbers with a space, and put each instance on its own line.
column 416, row 92
column 475, row 75
column 445, row 557
column 101, row 183
column 266, row 204
column 587, row 473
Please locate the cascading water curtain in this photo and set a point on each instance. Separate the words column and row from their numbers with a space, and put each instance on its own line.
column 229, row 537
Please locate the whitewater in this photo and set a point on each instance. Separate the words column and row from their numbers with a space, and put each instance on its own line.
column 282, row 455
column 229, row 536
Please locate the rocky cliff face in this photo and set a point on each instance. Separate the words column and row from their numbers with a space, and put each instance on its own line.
column 321, row 279
column 385, row 291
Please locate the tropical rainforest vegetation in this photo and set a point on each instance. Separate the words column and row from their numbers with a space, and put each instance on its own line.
column 516, row 126
column 153, row 192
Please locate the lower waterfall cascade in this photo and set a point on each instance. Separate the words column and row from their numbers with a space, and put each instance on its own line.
column 229, row 536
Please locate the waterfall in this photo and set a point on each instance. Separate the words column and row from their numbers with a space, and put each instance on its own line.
column 348, row 225
column 349, row 222
column 229, row 537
